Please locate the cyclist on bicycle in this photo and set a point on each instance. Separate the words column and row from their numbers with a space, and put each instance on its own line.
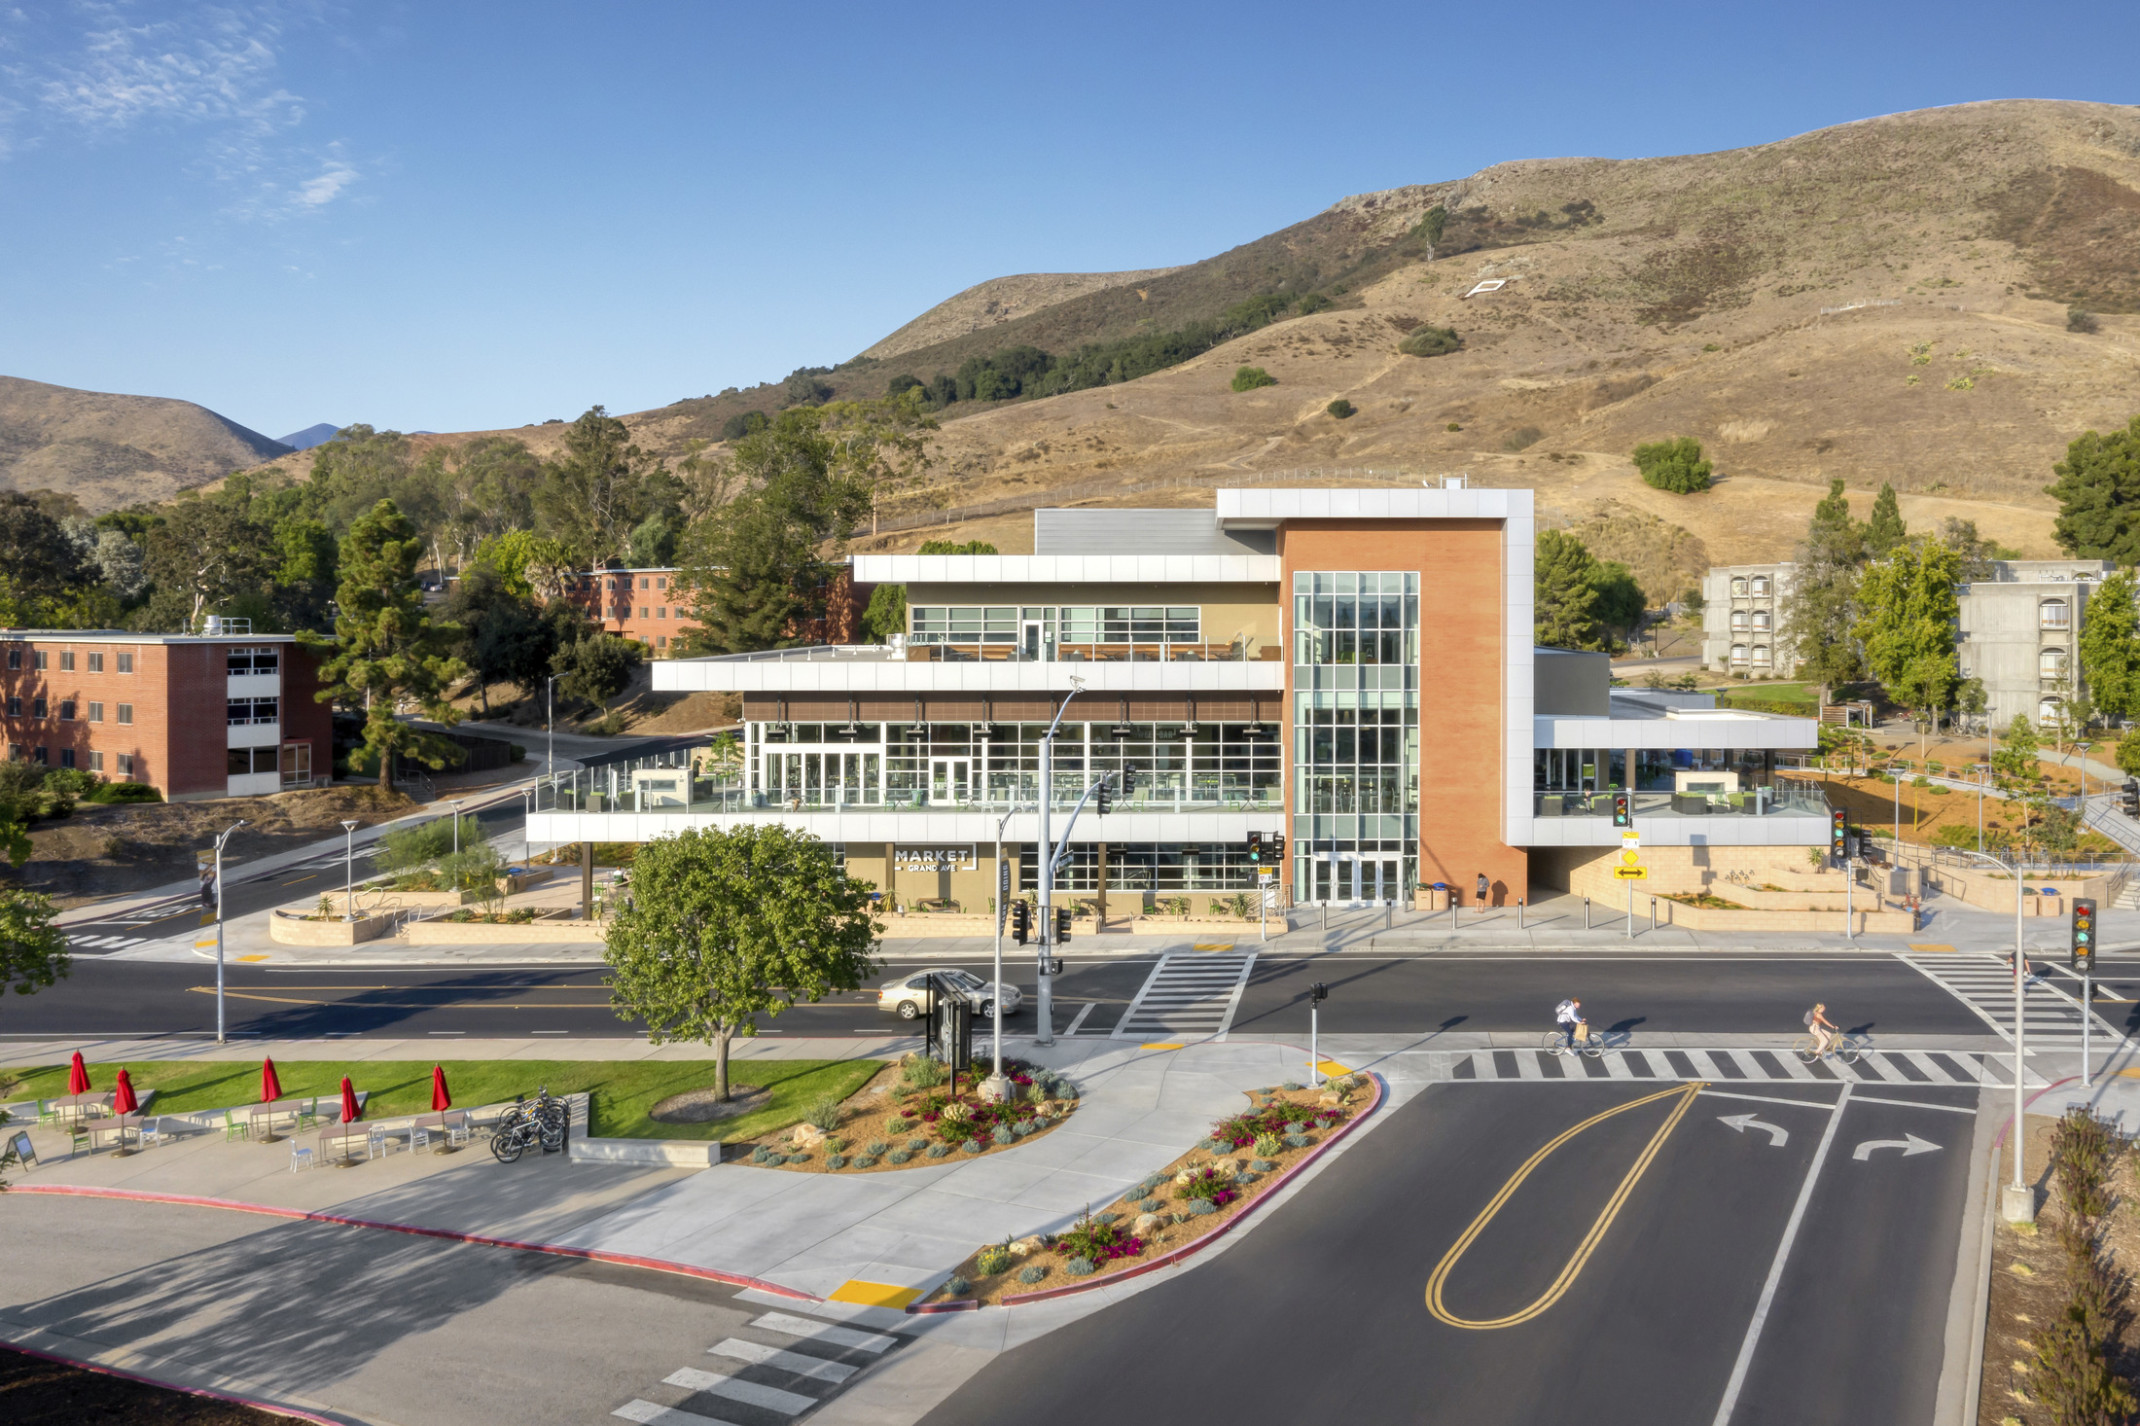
column 1822, row 1028
column 1568, row 1015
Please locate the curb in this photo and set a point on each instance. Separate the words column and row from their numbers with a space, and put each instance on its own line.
column 597, row 1255
column 1187, row 1249
column 292, row 1412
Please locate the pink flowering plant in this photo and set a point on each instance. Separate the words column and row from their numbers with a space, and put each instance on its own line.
column 1097, row 1242
column 1207, row 1182
column 1277, row 1117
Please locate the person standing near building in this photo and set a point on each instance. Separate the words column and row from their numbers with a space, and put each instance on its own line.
column 1485, row 891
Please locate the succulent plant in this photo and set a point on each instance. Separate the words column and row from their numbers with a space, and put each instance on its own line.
column 937, row 1151
column 1292, row 1086
column 971, row 1146
column 1032, row 1274
column 865, row 1161
column 1003, row 1134
column 898, row 1156
column 835, row 1161
column 1261, row 1165
column 957, row 1286
column 1152, row 1205
column 879, row 1148
column 1199, row 1207
column 915, row 1146
column 1078, row 1267
column 798, row 1158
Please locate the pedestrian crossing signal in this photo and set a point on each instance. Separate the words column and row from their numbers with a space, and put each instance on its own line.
column 1021, row 921
column 1623, row 809
column 2083, row 934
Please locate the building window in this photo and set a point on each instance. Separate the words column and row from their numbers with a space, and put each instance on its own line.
column 96, row 761
column 244, row 762
column 645, row 583
column 2051, row 664
column 1760, row 586
column 126, row 663
column 644, row 612
column 1738, row 586
column 66, row 710
column 17, row 753
column 296, row 764
column 14, row 658
column 1761, row 618
column 254, row 710
column 662, row 582
column 14, row 706
column 661, row 641
column 661, row 611
column 37, row 708
column 1761, row 654
column 38, row 659
column 66, row 661
column 249, row 661
column 126, row 713
column 2051, row 614
column 96, row 663
column 1738, row 653
column 66, row 757
column 96, row 712
column 39, row 756
column 2047, row 713
column 126, row 765
column 1738, row 621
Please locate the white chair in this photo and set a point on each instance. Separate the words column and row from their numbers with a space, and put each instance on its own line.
column 419, row 1138
column 151, row 1131
column 456, row 1128
column 300, row 1156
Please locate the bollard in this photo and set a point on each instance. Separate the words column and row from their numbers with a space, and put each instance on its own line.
column 1586, row 913
column 1452, row 908
column 1653, row 913
column 1519, row 913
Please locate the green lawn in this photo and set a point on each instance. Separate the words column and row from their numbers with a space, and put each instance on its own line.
column 624, row 1090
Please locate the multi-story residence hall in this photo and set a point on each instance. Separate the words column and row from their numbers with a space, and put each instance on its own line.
column 225, row 714
column 1352, row 669
column 1742, row 619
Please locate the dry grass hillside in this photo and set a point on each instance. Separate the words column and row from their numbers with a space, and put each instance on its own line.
column 999, row 300
column 1882, row 301
column 109, row 450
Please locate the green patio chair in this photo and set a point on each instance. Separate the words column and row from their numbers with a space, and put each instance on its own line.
column 232, row 1129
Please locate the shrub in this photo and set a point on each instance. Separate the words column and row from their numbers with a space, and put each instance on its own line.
column 1248, row 378
column 1431, row 342
column 1522, row 438
column 1003, row 1134
column 1032, row 1274
column 835, row 1145
column 1200, row 1207
column 1674, row 465
column 1266, row 1146
column 937, row 1151
column 1454, row 426
column 878, row 1147
column 957, row 1286
column 923, row 1072
column 971, row 1146
column 823, row 1113
column 1078, row 1267
column 1292, row 1086
column 1298, row 1141
column 121, row 792
column 1262, row 1165
column 1206, row 1183
column 1064, row 1089
column 915, row 1146
column 2080, row 319
column 746, row 423
column 992, row 1259
column 835, row 1161
column 1151, row 1205
column 865, row 1161
column 898, row 1156
column 762, row 1155
column 1341, row 408
column 798, row 1158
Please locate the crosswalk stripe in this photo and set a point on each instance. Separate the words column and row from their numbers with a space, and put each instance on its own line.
column 801, row 1364
column 1703, row 1065
column 735, row 1388
column 1185, row 995
column 654, row 1414
column 1945, row 1068
column 813, row 1330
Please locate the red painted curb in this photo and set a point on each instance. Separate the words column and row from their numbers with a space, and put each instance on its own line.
column 68, row 1190
column 294, row 1413
column 1193, row 1246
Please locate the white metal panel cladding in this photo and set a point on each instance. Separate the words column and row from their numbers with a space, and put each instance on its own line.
column 860, row 677
column 1066, row 569
column 1772, row 831
column 910, row 828
column 1737, row 734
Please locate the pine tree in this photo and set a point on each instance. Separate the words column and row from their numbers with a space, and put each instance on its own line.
column 2097, row 489
column 1884, row 532
column 1824, row 604
column 2110, row 647
column 1565, row 592
column 386, row 649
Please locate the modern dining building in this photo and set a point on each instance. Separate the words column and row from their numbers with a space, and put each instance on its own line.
column 1350, row 670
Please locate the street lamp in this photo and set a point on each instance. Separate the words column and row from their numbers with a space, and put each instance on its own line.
column 1045, row 1009
column 219, row 841
column 2082, row 749
column 2020, row 1204
column 527, row 848
column 349, row 869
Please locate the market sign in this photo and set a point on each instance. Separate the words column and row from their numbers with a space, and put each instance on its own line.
column 927, row 859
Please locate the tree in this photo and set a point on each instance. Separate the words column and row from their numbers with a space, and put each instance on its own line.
column 1430, row 228
column 887, row 612
column 1823, row 610
column 2097, row 488
column 1341, row 408
column 1430, row 342
column 1248, row 378
column 2110, row 647
column 33, row 951
column 725, row 926
column 1974, row 551
column 595, row 494
column 1906, row 625
column 206, row 553
column 596, row 668
column 759, row 571
column 1970, row 700
column 1674, row 465
column 486, row 488
column 2015, row 773
column 37, row 559
column 1620, row 603
column 386, row 650
column 1565, row 587
column 653, row 542
column 2129, row 752
column 305, row 556
column 1884, row 532
column 956, row 547
column 503, row 636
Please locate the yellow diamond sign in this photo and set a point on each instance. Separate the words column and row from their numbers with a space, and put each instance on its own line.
column 1630, row 858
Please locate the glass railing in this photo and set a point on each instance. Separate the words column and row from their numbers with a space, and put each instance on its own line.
column 1782, row 799
column 640, row 788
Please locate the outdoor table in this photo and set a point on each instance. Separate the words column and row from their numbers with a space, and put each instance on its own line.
column 72, row 1109
column 442, row 1123
column 117, row 1126
column 266, row 1114
column 337, row 1139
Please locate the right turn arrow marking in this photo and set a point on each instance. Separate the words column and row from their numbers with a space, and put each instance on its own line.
column 1909, row 1145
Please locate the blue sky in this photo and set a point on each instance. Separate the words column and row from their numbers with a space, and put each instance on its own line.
column 461, row 216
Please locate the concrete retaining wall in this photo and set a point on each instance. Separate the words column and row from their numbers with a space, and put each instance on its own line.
column 484, row 933
column 664, row 1153
column 1702, row 918
column 296, row 930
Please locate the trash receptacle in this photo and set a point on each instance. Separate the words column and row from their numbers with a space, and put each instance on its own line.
column 1434, row 897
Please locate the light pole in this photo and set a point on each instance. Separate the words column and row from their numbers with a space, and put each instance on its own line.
column 2082, row 749
column 219, row 841
column 1045, row 1008
column 549, row 719
column 349, row 869
column 2020, row 1204
column 1896, row 774
column 527, row 816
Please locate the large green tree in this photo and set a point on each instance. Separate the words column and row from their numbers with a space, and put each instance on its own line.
column 208, row 553
column 1823, row 611
column 726, row 926
column 1564, row 577
column 388, row 651
column 2110, row 647
column 33, row 949
column 504, row 638
column 1884, row 532
column 601, row 488
column 2098, row 494
column 760, row 569
column 1906, row 625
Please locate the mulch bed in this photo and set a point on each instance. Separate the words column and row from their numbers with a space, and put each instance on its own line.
column 35, row 1391
column 1237, row 1174
column 910, row 1120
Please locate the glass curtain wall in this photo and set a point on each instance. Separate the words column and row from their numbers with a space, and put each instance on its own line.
column 1355, row 736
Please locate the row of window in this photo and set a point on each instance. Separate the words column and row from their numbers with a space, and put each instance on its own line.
column 39, row 657
column 623, row 581
column 1760, row 658
column 2050, row 614
column 1076, row 624
column 252, row 661
column 122, row 763
column 292, row 760
column 254, row 710
column 1756, row 586
column 1759, row 620
column 39, row 708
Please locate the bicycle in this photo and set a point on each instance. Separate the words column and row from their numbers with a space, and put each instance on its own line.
column 1588, row 1042
column 1847, row 1048
column 527, row 1125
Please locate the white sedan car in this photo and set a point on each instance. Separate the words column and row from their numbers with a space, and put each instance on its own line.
column 909, row 993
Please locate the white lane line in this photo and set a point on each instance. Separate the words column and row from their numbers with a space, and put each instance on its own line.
column 1821, row 1104
column 824, row 1332
column 1248, row 963
column 750, row 1393
column 1916, row 1104
column 653, row 1414
column 796, row 1362
column 1775, row 1271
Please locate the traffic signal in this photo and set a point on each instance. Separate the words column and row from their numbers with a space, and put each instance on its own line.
column 1129, row 780
column 2084, row 934
column 1277, row 848
column 1839, row 833
column 1021, row 921
column 1104, row 800
column 1255, row 849
column 1623, row 809
column 1318, row 993
column 1062, row 925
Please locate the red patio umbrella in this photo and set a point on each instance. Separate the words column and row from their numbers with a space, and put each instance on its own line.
column 123, row 1101
column 439, row 1098
column 350, row 1112
column 270, row 1083
column 78, row 1076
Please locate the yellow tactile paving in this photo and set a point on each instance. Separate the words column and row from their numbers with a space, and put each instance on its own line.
column 874, row 1294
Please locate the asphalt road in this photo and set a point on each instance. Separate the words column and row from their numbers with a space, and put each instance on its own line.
column 1678, row 993
column 1327, row 1312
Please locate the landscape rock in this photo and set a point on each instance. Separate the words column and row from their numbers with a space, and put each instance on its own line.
column 806, row 1136
column 1148, row 1225
column 1026, row 1247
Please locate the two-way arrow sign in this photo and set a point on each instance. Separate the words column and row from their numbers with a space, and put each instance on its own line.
column 1909, row 1145
column 1777, row 1136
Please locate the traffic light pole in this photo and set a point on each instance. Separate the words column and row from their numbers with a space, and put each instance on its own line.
column 1044, row 1011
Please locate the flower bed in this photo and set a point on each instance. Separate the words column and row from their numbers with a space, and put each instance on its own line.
column 1192, row 1198
column 906, row 1117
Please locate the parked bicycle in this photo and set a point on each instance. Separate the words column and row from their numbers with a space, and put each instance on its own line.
column 525, row 1126
column 1846, row 1047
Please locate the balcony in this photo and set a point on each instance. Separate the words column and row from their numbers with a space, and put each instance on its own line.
column 1787, row 797
column 628, row 787
column 1095, row 653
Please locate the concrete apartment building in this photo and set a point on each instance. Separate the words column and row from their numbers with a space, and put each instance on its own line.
column 647, row 605
column 1742, row 619
column 217, row 715
column 1351, row 669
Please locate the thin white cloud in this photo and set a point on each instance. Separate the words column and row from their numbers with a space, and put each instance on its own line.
column 214, row 66
column 320, row 191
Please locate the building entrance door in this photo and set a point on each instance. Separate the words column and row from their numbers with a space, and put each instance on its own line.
column 950, row 781
column 1370, row 880
column 1031, row 641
